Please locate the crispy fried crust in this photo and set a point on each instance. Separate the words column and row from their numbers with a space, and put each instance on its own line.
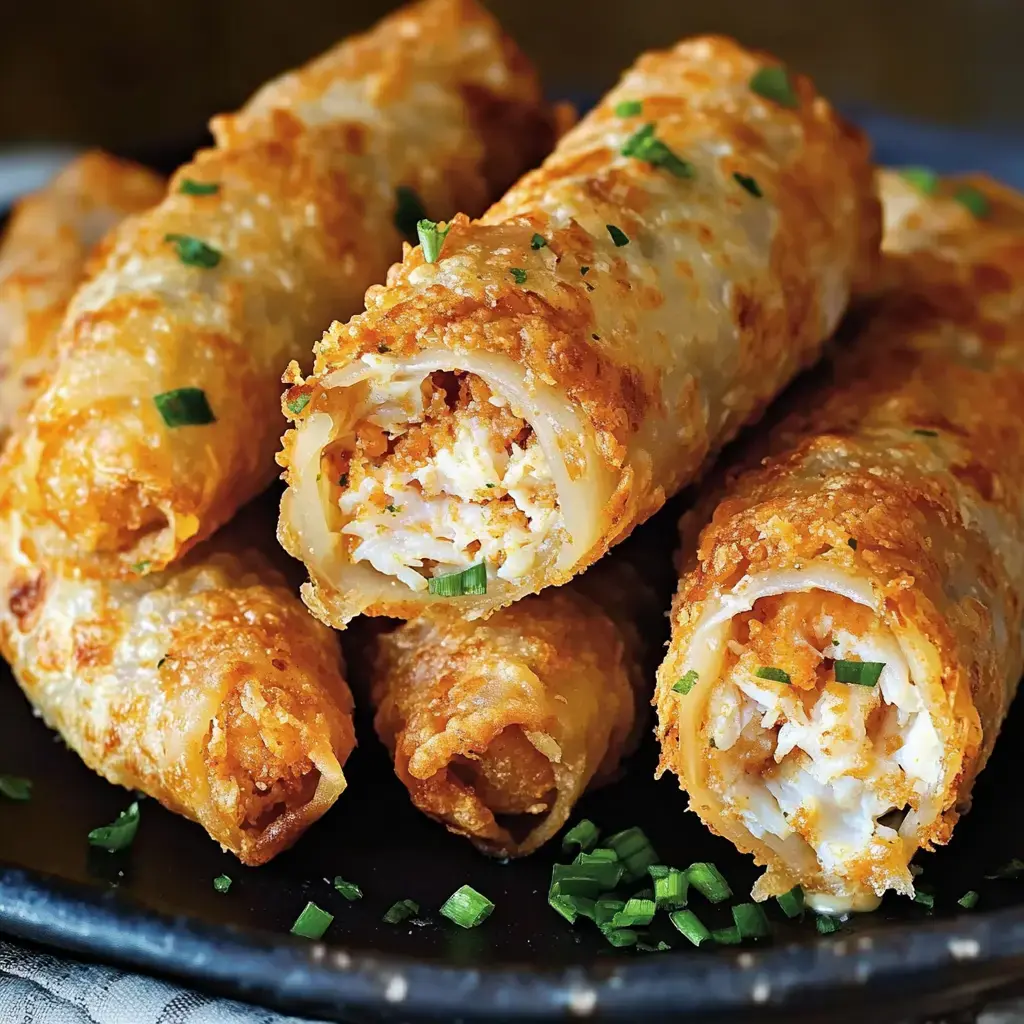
column 663, row 347
column 905, row 474
column 434, row 98
column 43, row 257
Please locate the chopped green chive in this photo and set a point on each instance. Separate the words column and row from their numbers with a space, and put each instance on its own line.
column 119, row 835
column 628, row 108
column 584, row 271
column 222, row 883
column 160, row 663
column 635, row 912
column 686, row 684
column 296, row 405
column 457, row 584
column 969, row 900
column 792, row 902
column 975, row 201
column 619, row 237
column 194, row 252
column 749, row 183
column 670, row 891
column 393, row 509
column 538, row 242
column 605, row 909
column 382, row 348
column 15, row 788
column 690, row 925
column 645, row 146
column 620, row 937
column 349, row 890
column 922, row 178
column 431, row 238
column 401, row 910
column 775, row 674
column 773, row 83
column 409, row 212
column 708, row 881
column 184, row 407
column 190, row 187
column 583, row 836
column 859, row 673
column 751, row 921
column 518, row 275
column 467, row 908
column 634, row 851
column 661, row 947
column 1011, row 869
column 141, row 567
column 926, row 433
column 567, row 906
column 925, row 899
column 727, row 936
column 588, row 876
column 852, row 543
column 343, row 480
column 826, row 925
column 312, row 922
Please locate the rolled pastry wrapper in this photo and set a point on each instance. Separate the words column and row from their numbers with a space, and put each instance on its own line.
column 577, row 354
column 49, row 239
column 217, row 291
column 496, row 728
column 886, row 525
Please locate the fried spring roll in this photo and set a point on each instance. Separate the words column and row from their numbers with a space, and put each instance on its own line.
column 846, row 639
column 577, row 354
column 49, row 238
column 164, row 417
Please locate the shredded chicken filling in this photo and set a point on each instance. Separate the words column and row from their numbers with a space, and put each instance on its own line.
column 837, row 765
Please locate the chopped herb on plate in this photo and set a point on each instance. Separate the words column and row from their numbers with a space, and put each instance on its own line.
column 184, row 407
column 118, row 835
column 467, row 908
column 312, row 922
column 458, row 584
column 194, row 252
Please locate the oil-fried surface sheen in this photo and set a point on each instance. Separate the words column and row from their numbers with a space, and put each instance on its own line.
column 581, row 351
column 885, row 525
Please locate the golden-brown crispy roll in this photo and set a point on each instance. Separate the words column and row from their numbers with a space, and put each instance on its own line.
column 165, row 416
column 846, row 639
column 527, row 398
column 48, row 240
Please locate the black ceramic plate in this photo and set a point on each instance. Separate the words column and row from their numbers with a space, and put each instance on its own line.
column 154, row 907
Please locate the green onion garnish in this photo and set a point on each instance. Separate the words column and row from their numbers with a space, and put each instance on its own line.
column 565, row 905
column 467, row 908
column 120, row 834
column 661, row 947
column 296, row 405
column 584, row 271
column 751, row 921
column 969, row 900
column 343, row 480
column 1011, row 869
column 852, row 542
column 184, row 407
column 775, row 674
column 926, row 433
column 628, row 108
column 826, row 925
column 922, row 178
column 773, row 83
column 686, row 684
column 518, row 275
column 538, row 242
column 619, row 237
column 349, row 890
column 690, row 925
column 727, row 936
column 409, row 212
column 190, row 187
column 401, row 910
column 194, row 252
column 15, row 788
column 431, row 238
column 749, row 183
column 605, row 909
column 141, row 567
column 582, row 835
column 589, row 875
column 222, row 883
column 634, row 851
column 975, row 201
column 792, row 902
column 457, row 584
column 925, row 899
column 643, row 145
column 312, row 922
column 708, row 881
column 670, row 890
column 859, row 673
column 635, row 912
column 620, row 936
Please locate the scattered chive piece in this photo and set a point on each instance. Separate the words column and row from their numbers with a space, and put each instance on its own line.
column 925, row 899
column 457, row 584
column 922, row 178
column 222, row 883
column 657, row 871
column 969, row 900
column 708, row 881
column 583, row 835
column 635, row 912
column 690, row 925
column 620, row 937
column 859, row 673
column 141, row 567
column 343, row 480
column 518, row 275
column 644, row 145
column 773, row 83
column 393, row 509
column 184, row 407
column 431, row 238
column 661, row 947
column 826, row 925
column 584, row 271
column 619, row 237
column 727, row 936
column 538, row 242
column 852, row 541
column 194, row 252
column 686, row 684
column 751, row 921
column 401, row 910
column 792, row 902
column 588, row 879
column 349, row 890
column 670, row 890
column 408, row 211
column 643, row 894
column 629, row 108
column 467, row 908
column 1011, row 869
column 974, row 200
column 119, row 835
column 634, row 851
column 749, row 183
column 15, row 788
column 775, row 674
column 382, row 348
column 189, row 187
column 926, row 433
column 565, row 905
column 160, row 663
column 312, row 922
column 296, row 405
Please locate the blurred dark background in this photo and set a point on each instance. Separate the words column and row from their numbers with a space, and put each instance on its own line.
column 131, row 73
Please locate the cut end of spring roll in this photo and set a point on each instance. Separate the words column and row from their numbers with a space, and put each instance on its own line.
column 524, row 396
column 497, row 728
